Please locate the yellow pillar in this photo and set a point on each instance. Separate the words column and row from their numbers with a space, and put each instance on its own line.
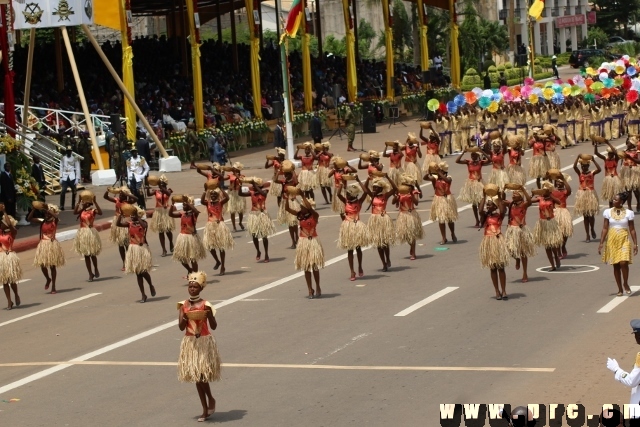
column 127, row 70
column 255, row 60
column 424, row 46
column 455, row 50
column 195, row 65
column 306, row 62
column 352, row 79
column 388, row 38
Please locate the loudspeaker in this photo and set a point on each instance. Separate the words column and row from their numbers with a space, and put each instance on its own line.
column 368, row 117
column 426, row 77
column 277, row 109
column 115, row 123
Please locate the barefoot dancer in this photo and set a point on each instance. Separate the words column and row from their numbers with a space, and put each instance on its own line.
column 199, row 360
column 309, row 252
column 307, row 177
column 353, row 232
column 473, row 187
column 87, row 242
column 539, row 164
column 443, row 207
column 161, row 222
column 49, row 254
column 514, row 170
column 498, row 175
column 217, row 236
column 547, row 232
column 138, row 260
column 630, row 172
column 395, row 161
column 276, row 163
column 493, row 250
column 259, row 224
column 10, row 269
column 518, row 237
column 611, row 183
column 562, row 192
column 587, row 203
column 189, row 248
column 340, row 168
column 324, row 161
column 433, row 147
column 382, row 232
column 408, row 224
column 118, row 235
column 411, row 154
column 236, row 203
column 289, row 185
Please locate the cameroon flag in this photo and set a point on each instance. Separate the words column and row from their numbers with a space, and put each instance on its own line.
column 294, row 18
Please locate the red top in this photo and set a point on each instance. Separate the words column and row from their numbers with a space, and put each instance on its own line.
column 196, row 327
column 550, row 145
column 611, row 167
column 562, row 196
column 87, row 217
column 629, row 162
column 411, row 154
column 395, row 159
column 307, row 163
column 258, row 201
column 337, row 176
column 308, row 227
column 371, row 169
column 162, row 199
column 379, row 204
column 492, row 225
column 546, row 208
column 497, row 160
column 48, row 230
column 136, row 233
column 518, row 214
column 214, row 211
column 234, row 182
column 433, row 148
column 475, row 170
column 118, row 206
column 406, row 202
column 324, row 160
column 6, row 240
column 514, row 156
column 586, row 181
column 187, row 223
column 352, row 210
column 538, row 148
column 442, row 188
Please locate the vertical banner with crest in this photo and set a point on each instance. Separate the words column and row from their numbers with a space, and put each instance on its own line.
column 52, row 13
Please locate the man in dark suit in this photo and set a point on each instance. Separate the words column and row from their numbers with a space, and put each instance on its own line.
column 37, row 173
column 143, row 146
column 316, row 128
column 278, row 136
column 8, row 190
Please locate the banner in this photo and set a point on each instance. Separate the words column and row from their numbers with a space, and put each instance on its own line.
column 52, row 13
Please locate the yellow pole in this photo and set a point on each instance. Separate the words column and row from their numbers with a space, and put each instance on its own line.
column 27, row 86
column 255, row 60
column 388, row 38
column 424, row 46
column 195, row 66
column 306, row 62
column 83, row 100
column 127, row 70
column 352, row 79
column 455, row 50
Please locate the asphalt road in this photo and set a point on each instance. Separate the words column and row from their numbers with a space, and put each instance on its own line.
column 346, row 359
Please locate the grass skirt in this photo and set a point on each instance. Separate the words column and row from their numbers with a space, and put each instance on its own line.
column 409, row 227
column 629, row 177
column 49, row 254
column 275, row 189
column 493, row 252
column 309, row 254
column 217, row 236
column 336, row 204
column 394, row 174
column 428, row 158
column 611, row 185
column 137, row 260
column 538, row 166
column 188, row 248
column 412, row 170
column 199, row 360
column 284, row 217
column 236, row 204
column 554, row 159
column 617, row 247
column 161, row 222
column 547, row 233
column 307, row 180
column 119, row 235
column 382, row 232
column 499, row 177
column 587, row 203
column 471, row 191
column 260, row 225
column 519, row 242
column 444, row 209
column 565, row 221
column 322, row 176
column 87, row 241
column 516, row 174
column 10, row 270
column 353, row 234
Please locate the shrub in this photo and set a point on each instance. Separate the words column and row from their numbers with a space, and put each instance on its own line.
column 471, row 72
column 501, row 68
column 508, row 65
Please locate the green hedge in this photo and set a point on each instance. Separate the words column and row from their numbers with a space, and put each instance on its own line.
column 510, row 82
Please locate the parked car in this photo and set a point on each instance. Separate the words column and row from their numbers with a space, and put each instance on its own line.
column 581, row 57
column 616, row 40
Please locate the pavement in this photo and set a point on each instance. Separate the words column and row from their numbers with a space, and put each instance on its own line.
column 387, row 349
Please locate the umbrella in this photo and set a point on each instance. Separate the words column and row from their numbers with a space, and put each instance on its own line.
column 631, row 71
column 487, row 93
column 576, row 90
column 620, row 69
column 533, row 98
column 477, row 91
column 528, row 81
column 589, row 98
column 433, row 104
column 460, row 100
column 566, row 91
column 493, row 107
column 484, row 102
column 548, row 93
column 497, row 97
column 632, row 96
column 452, row 108
column 557, row 99
column 470, row 97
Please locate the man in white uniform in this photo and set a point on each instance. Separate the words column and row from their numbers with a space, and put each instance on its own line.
column 137, row 169
column 631, row 379
column 69, row 175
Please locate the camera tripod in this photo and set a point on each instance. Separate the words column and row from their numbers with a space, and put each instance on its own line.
column 338, row 130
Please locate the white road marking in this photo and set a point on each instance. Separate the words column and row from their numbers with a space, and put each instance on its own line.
column 35, row 313
column 23, row 280
column 425, row 301
column 353, row 341
column 616, row 301
column 561, row 271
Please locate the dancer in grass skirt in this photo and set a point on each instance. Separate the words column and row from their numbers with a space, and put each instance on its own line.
column 87, row 242
column 217, row 236
column 611, row 183
column 138, row 259
column 518, row 238
column 444, row 209
column 547, row 232
column 49, row 254
column 260, row 225
column 10, row 269
column 473, row 187
column 354, row 234
column 161, row 222
column 382, row 232
column 117, row 234
column 587, row 202
column 189, row 248
column 493, row 249
column 408, row 224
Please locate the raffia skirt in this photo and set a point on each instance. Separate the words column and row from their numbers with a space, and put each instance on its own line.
column 188, row 248
column 394, row 175
column 284, row 217
column 118, row 235
column 554, row 159
column 538, row 166
column 199, row 360
column 353, row 234
column 260, row 225
column 412, row 170
column 161, row 222
column 217, row 236
column 611, row 185
column 547, row 233
column 519, row 242
column 516, row 174
column 236, row 204
column 428, row 158
column 409, row 227
column 322, row 176
column 87, row 241
column 309, row 254
column 471, row 191
column 587, row 203
column 307, row 180
column 629, row 177
column 444, row 209
column 565, row 221
column 382, row 233
column 137, row 260
column 275, row 189
column 618, row 247
column 499, row 177
column 49, row 254
column 336, row 204
column 493, row 252
column 10, row 269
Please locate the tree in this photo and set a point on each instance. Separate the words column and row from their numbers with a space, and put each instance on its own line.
column 596, row 36
column 614, row 15
column 401, row 29
column 335, row 46
column 366, row 34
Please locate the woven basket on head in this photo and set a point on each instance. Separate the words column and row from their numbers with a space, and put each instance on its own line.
column 271, row 157
column 211, row 184
column 293, row 191
column 339, row 162
column 153, row 180
column 365, row 156
column 512, row 187
column 38, row 205
column 554, row 173
column 491, row 190
column 287, row 166
column 348, row 177
column 540, row 192
column 425, row 125
column 86, row 196
column 390, row 143
column 128, row 209
column 404, row 189
column 178, row 198
column 113, row 190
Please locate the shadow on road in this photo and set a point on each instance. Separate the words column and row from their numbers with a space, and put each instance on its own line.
column 233, row 415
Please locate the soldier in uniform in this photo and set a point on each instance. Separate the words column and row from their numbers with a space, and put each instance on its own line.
column 84, row 149
column 137, row 170
column 69, row 176
column 631, row 379
column 192, row 143
column 350, row 124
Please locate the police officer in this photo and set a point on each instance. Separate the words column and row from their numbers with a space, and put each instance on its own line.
column 69, row 176
column 631, row 379
column 350, row 124
column 137, row 170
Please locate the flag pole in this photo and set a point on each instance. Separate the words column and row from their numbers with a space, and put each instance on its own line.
column 285, row 89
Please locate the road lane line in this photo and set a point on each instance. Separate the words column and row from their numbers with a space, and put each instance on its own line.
column 352, row 341
column 616, row 301
column 426, row 301
column 35, row 313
